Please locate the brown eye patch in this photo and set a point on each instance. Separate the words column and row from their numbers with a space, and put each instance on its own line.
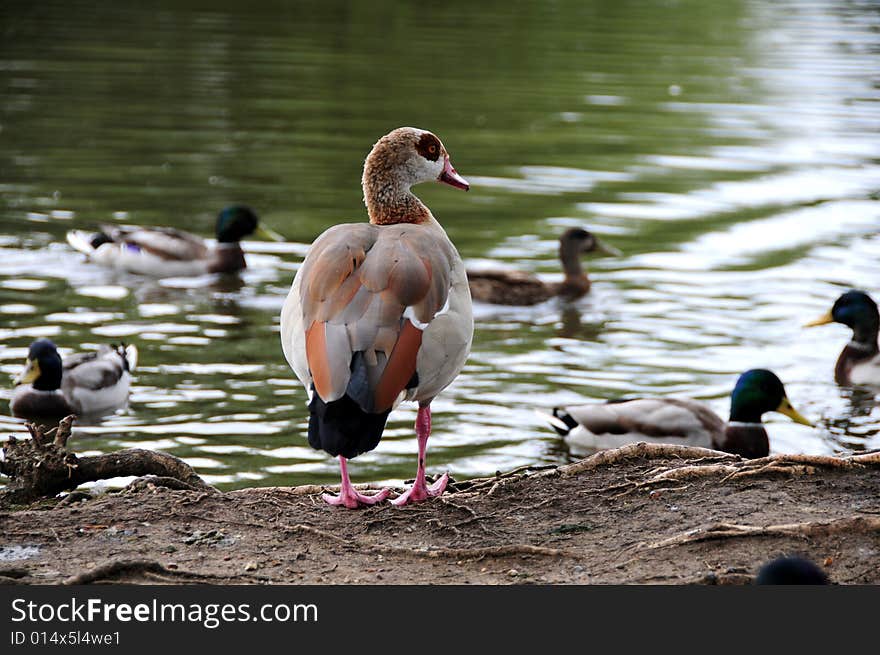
column 429, row 146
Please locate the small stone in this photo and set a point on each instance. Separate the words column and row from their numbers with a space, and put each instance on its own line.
column 251, row 566
column 578, row 569
column 513, row 573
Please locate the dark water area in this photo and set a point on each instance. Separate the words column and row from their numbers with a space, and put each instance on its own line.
column 730, row 150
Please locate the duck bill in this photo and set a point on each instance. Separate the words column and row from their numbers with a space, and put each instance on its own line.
column 268, row 234
column 825, row 319
column 607, row 249
column 30, row 373
column 451, row 177
column 786, row 408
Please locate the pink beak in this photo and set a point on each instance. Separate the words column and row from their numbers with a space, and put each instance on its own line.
column 451, row 177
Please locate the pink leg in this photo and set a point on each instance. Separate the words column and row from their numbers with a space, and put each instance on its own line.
column 421, row 491
column 348, row 496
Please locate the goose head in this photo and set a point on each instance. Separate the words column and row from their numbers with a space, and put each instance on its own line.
column 399, row 160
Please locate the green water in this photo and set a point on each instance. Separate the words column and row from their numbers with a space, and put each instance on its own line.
column 729, row 149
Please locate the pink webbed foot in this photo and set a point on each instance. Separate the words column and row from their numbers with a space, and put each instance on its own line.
column 348, row 496
column 421, row 491
column 352, row 499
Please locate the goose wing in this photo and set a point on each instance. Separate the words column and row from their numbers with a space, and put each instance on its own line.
column 364, row 302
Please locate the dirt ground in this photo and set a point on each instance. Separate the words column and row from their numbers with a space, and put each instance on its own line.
column 635, row 515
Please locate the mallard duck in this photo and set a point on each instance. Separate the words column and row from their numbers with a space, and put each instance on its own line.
column 167, row 251
column 91, row 383
column 380, row 312
column 501, row 287
column 681, row 421
column 859, row 362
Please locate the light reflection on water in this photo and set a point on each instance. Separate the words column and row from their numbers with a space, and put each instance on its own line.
column 731, row 154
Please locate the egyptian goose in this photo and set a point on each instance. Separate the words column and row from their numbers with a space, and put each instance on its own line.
column 380, row 312
column 859, row 362
column 681, row 421
column 86, row 384
column 501, row 287
column 167, row 251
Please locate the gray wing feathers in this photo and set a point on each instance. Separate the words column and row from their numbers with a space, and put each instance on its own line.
column 659, row 418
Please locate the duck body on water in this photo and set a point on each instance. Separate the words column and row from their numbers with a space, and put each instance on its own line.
column 86, row 384
column 502, row 287
column 859, row 361
column 681, row 421
column 170, row 252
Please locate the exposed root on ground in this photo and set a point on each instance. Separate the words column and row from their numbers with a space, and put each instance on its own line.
column 148, row 569
column 644, row 450
column 42, row 468
column 704, row 463
column 858, row 524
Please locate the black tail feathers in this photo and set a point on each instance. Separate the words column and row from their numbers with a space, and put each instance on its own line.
column 99, row 239
column 341, row 427
column 566, row 418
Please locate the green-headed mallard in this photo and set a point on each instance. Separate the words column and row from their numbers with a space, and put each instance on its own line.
column 501, row 287
column 681, row 421
column 92, row 383
column 167, row 251
column 859, row 362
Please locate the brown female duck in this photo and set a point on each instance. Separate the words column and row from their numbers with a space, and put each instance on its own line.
column 501, row 287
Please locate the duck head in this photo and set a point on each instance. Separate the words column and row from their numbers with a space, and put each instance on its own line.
column 42, row 369
column 399, row 160
column 758, row 391
column 856, row 310
column 581, row 241
column 236, row 222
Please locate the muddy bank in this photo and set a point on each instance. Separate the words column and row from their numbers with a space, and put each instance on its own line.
column 639, row 514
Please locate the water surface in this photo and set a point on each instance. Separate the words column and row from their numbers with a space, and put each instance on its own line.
column 729, row 149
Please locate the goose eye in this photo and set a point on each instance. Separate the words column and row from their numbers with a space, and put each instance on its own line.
column 432, row 149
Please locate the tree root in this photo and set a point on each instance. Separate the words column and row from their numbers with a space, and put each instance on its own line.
column 39, row 468
column 854, row 524
column 506, row 550
column 801, row 465
column 644, row 450
column 709, row 464
column 151, row 569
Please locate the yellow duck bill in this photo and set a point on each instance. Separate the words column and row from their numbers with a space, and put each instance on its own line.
column 825, row 319
column 786, row 408
column 30, row 373
column 268, row 234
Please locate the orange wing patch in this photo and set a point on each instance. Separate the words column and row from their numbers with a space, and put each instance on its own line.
column 358, row 281
column 400, row 367
column 316, row 353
